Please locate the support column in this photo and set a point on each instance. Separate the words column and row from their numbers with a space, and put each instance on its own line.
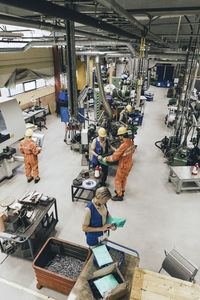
column 88, row 71
column 56, row 71
column 71, row 69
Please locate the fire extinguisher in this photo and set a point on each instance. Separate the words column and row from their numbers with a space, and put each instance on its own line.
column 195, row 169
column 96, row 172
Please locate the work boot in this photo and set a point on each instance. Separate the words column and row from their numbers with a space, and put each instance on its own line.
column 37, row 179
column 29, row 179
column 117, row 198
column 122, row 193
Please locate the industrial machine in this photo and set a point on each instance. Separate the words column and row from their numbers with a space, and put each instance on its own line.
column 26, row 223
column 12, row 128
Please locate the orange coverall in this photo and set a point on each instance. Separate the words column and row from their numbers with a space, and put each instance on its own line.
column 124, row 154
column 30, row 151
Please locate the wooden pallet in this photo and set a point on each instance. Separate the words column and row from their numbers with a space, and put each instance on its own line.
column 149, row 285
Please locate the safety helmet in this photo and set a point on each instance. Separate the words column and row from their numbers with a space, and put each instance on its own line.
column 122, row 130
column 29, row 132
column 129, row 108
column 102, row 132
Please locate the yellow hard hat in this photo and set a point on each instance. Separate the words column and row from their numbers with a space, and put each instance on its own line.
column 122, row 130
column 129, row 108
column 102, row 132
column 29, row 132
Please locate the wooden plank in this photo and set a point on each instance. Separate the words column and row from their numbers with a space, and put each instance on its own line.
column 149, row 285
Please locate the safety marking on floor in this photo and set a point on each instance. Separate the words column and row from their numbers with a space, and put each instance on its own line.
column 22, row 288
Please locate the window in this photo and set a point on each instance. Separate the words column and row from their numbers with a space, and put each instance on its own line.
column 28, row 86
column 50, row 81
column 4, row 93
column 40, row 83
column 17, row 90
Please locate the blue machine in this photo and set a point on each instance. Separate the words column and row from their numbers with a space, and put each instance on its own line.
column 63, row 96
column 64, row 112
column 137, row 118
column 149, row 96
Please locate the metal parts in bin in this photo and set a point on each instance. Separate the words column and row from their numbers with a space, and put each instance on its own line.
column 176, row 265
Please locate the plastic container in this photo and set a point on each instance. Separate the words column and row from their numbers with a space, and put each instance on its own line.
column 149, row 96
column 52, row 280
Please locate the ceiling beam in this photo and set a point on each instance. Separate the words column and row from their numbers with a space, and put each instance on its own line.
column 142, row 11
column 112, row 4
column 22, row 22
column 52, row 10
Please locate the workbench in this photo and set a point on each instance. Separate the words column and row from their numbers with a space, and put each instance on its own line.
column 79, row 193
column 149, row 285
column 27, row 243
column 183, row 179
column 31, row 114
column 81, row 289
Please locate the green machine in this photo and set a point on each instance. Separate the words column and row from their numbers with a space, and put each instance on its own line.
column 172, row 101
column 97, row 103
column 181, row 157
column 116, row 81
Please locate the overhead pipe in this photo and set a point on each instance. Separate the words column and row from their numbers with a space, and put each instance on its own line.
column 105, row 43
column 101, row 53
column 64, row 12
column 101, row 89
column 61, row 43
column 90, row 43
column 178, row 28
column 30, row 45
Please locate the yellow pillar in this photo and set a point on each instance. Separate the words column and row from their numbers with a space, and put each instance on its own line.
column 91, row 71
column 81, row 74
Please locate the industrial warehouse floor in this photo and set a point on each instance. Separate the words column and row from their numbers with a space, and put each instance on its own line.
column 157, row 218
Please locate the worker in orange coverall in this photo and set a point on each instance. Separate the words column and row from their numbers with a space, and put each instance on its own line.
column 30, row 151
column 124, row 154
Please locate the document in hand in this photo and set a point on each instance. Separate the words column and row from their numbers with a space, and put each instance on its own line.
column 118, row 222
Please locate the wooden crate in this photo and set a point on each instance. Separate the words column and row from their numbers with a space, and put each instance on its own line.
column 149, row 285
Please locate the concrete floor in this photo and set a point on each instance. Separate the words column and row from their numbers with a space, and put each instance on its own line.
column 157, row 218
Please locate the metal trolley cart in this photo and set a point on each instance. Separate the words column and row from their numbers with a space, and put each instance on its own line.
column 23, row 237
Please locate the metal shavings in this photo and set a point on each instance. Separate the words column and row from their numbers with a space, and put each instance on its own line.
column 66, row 266
column 116, row 256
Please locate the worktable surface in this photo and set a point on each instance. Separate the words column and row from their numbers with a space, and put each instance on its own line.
column 185, row 173
column 81, row 289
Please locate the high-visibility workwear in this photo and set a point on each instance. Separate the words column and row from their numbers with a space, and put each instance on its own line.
column 124, row 154
column 30, row 151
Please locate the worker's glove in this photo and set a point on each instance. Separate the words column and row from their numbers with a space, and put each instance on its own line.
column 104, row 159
column 99, row 157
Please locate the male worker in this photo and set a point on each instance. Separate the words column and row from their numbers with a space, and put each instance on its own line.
column 30, row 151
column 124, row 154
column 111, row 103
column 100, row 145
column 96, row 213
column 123, row 118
